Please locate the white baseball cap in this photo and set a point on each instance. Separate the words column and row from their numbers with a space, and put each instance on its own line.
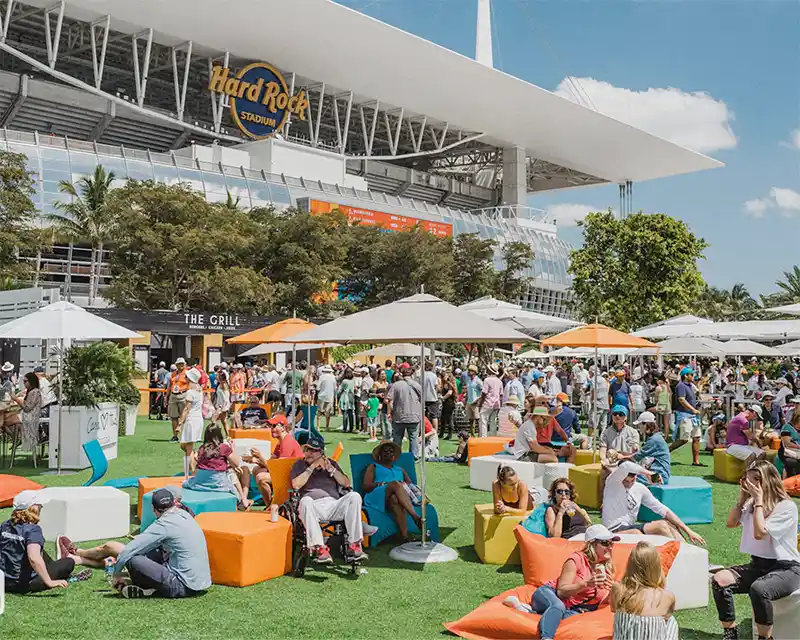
column 26, row 499
column 645, row 416
column 193, row 375
column 755, row 409
column 599, row 532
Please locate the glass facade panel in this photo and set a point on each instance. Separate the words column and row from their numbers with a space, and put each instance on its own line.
column 166, row 174
column 139, row 170
column 191, row 177
column 82, row 164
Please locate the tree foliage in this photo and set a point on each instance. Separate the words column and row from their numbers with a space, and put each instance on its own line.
column 510, row 281
column 790, row 285
column 473, row 268
column 722, row 305
column 635, row 271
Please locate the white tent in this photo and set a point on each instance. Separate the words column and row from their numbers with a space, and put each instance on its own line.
column 560, row 353
column 686, row 347
column 790, row 348
column 515, row 316
column 398, row 350
column 789, row 309
column 750, row 330
column 421, row 319
column 267, row 347
column 686, row 318
column 64, row 321
column 750, row 348
column 531, row 354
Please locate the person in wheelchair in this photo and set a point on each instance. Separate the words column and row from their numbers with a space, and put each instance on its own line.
column 325, row 495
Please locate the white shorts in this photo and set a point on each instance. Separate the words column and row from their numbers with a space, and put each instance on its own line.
column 743, row 451
column 689, row 428
column 192, row 430
column 325, row 407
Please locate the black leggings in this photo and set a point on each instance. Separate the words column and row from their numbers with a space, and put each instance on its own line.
column 446, row 421
column 764, row 580
column 58, row 570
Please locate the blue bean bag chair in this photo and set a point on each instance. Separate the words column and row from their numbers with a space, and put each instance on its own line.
column 384, row 521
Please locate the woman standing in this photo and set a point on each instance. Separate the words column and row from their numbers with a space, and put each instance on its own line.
column 768, row 518
column 31, row 405
column 222, row 399
column 642, row 607
column 449, row 394
column 346, row 400
column 663, row 403
column 381, row 387
column 191, row 421
column 564, row 518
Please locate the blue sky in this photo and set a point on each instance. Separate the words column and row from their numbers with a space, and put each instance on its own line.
column 720, row 76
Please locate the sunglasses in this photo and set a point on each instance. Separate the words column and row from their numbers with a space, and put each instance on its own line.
column 619, row 415
column 563, row 492
column 605, row 543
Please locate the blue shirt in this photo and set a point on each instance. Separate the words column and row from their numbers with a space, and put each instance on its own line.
column 389, row 374
column 568, row 421
column 212, row 379
column 474, row 389
column 774, row 415
column 683, row 390
column 657, row 449
column 620, row 392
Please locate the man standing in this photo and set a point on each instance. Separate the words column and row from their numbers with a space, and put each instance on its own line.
column 320, row 481
column 326, row 391
column 474, row 388
column 514, row 388
column 178, row 386
column 489, row 402
column 553, row 385
column 687, row 416
column 600, row 397
column 432, row 387
column 619, row 391
column 404, row 408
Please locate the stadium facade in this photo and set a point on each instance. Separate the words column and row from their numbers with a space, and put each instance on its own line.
column 271, row 103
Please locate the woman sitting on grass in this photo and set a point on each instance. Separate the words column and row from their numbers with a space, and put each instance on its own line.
column 213, row 460
column 584, row 584
column 563, row 517
column 789, row 453
column 385, row 485
column 642, row 607
column 510, row 494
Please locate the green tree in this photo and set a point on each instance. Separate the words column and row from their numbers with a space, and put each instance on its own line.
column 790, row 285
column 18, row 238
column 721, row 305
column 473, row 268
column 86, row 218
column 173, row 250
column 636, row 271
column 510, row 281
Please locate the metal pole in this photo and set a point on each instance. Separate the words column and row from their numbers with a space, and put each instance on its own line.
column 422, row 437
column 294, row 369
column 60, row 402
column 308, row 395
column 596, row 436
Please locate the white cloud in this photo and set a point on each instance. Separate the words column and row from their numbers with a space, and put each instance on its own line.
column 794, row 140
column 694, row 120
column 784, row 201
column 569, row 214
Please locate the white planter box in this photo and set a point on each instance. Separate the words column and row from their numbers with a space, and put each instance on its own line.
column 82, row 424
column 131, row 410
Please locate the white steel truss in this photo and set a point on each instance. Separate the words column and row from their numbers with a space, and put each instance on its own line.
column 98, row 65
column 180, row 86
column 140, row 75
column 52, row 41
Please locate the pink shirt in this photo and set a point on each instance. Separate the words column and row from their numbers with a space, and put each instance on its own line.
column 492, row 392
column 590, row 595
column 734, row 435
column 216, row 462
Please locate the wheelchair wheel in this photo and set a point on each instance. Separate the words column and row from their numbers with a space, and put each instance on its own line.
column 299, row 560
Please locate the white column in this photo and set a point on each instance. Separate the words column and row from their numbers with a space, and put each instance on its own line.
column 483, row 34
column 515, row 178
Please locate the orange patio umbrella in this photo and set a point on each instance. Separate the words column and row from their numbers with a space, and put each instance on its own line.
column 278, row 332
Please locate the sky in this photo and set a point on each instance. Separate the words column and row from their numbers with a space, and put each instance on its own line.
column 721, row 77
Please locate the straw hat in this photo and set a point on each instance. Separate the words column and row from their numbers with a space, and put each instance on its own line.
column 387, row 443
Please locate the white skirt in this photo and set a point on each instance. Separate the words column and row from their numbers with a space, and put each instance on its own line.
column 192, row 430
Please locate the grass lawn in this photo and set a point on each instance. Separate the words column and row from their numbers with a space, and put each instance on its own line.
column 391, row 601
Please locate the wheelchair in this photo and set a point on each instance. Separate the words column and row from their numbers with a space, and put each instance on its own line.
column 331, row 531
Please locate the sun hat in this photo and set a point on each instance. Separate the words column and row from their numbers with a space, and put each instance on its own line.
column 180, row 361
column 472, row 368
column 601, row 533
column 492, row 369
column 513, row 399
column 326, row 368
column 26, row 499
column 549, row 368
column 540, row 411
column 782, row 380
column 193, row 375
column 619, row 408
column 386, row 443
column 7, row 366
column 644, row 417
column 767, row 394
column 755, row 409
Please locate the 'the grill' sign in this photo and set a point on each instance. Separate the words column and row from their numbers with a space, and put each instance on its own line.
column 259, row 98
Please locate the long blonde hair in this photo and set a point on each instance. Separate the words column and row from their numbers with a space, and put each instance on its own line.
column 771, row 483
column 591, row 555
column 643, row 572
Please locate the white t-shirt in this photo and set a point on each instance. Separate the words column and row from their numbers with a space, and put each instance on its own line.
column 554, row 386
column 430, row 386
column 526, row 436
column 194, row 399
column 272, row 381
column 621, row 505
column 781, row 540
column 326, row 387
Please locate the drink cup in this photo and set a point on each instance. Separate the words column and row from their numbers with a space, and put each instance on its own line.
column 273, row 513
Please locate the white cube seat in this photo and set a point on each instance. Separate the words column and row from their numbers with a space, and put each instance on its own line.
column 85, row 513
column 688, row 577
column 242, row 446
column 483, row 471
column 553, row 471
column 786, row 618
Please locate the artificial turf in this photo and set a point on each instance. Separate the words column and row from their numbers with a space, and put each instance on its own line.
column 392, row 600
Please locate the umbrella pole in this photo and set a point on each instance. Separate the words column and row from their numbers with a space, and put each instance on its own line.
column 596, row 435
column 308, row 395
column 60, row 402
column 294, row 369
column 422, row 437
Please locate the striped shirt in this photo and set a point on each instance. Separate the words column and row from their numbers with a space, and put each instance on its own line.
column 621, row 505
column 628, row 626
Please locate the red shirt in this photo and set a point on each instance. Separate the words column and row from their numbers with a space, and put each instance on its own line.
column 287, row 448
column 216, row 462
column 545, row 435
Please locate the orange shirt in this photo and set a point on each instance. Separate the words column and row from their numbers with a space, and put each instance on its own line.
column 178, row 382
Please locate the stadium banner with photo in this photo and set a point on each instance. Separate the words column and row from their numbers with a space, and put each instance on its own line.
column 389, row 221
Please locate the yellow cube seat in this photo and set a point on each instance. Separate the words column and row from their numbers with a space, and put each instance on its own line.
column 495, row 542
column 730, row 469
column 588, row 481
column 585, row 456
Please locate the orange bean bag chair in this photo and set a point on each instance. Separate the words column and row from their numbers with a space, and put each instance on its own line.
column 10, row 486
column 792, row 486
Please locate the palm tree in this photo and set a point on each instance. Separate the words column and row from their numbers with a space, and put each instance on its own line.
column 742, row 304
column 791, row 284
column 86, row 218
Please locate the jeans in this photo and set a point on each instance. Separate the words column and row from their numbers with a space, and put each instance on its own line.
column 348, row 420
column 58, row 570
column 412, row 430
column 546, row 603
column 150, row 571
column 386, row 428
column 764, row 580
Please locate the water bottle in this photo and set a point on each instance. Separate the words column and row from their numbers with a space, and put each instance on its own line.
column 110, row 567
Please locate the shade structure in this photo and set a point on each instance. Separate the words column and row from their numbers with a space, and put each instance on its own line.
column 515, row 316
column 530, row 354
column 685, row 347
column 563, row 352
column 399, row 350
column 685, row 318
column 750, row 348
column 267, row 348
column 741, row 330
column 790, row 348
column 596, row 335
column 64, row 321
column 420, row 318
column 789, row 309
column 278, row 332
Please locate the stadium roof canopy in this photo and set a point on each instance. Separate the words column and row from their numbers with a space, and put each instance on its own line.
column 404, row 76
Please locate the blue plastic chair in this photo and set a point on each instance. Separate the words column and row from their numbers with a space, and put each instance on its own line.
column 97, row 459
column 384, row 521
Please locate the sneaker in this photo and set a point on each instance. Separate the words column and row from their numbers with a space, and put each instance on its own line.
column 174, row 439
column 322, row 555
column 514, row 603
column 132, row 592
column 357, row 552
column 372, row 440
column 81, row 576
column 369, row 529
column 64, row 547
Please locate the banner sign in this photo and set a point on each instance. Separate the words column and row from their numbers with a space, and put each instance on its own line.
column 389, row 221
column 260, row 102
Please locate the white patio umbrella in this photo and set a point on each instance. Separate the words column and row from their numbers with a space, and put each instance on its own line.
column 420, row 319
column 790, row 348
column 64, row 321
column 400, row 350
column 267, row 348
column 789, row 309
column 686, row 347
column 750, row 348
column 531, row 322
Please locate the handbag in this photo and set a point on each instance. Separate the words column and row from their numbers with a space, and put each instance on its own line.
column 414, row 493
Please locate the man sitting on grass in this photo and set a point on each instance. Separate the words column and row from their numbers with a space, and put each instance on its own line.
column 169, row 559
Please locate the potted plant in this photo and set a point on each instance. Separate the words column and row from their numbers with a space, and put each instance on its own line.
column 129, row 397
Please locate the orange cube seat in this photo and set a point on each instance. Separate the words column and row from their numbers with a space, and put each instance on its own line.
column 146, row 485
column 253, row 434
column 477, row 447
column 246, row 548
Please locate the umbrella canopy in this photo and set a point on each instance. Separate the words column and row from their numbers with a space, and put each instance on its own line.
column 278, row 332
column 64, row 320
column 686, row 347
column 750, row 348
column 596, row 335
column 516, row 317
column 790, row 309
column 398, row 350
column 560, row 353
column 531, row 354
column 741, row 330
column 264, row 349
column 418, row 318
column 686, row 318
column 790, row 348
